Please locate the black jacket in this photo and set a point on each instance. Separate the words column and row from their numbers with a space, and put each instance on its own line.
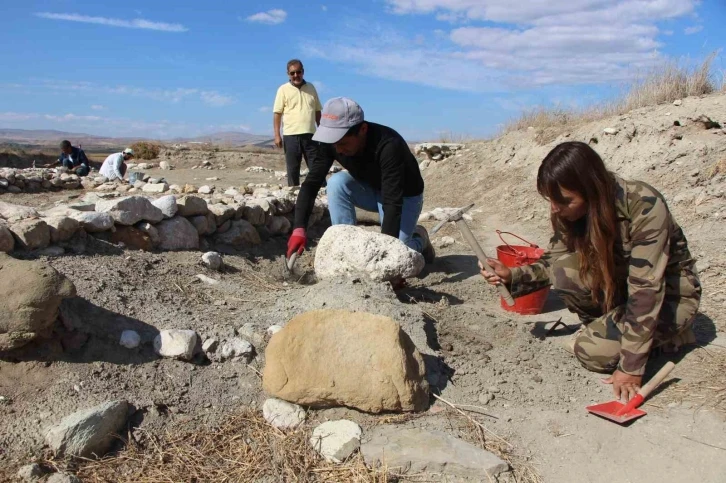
column 386, row 164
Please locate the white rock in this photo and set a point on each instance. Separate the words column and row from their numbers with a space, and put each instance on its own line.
column 93, row 222
column 274, row 329
column 192, row 206
column 610, row 130
column 31, row 233
column 336, row 440
column 63, row 478
column 442, row 214
column 205, row 190
column 445, row 241
column 167, row 205
column 178, row 344
column 210, row 345
column 677, row 102
column 237, row 348
column 130, row 210
column 13, row 212
column 155, row 188
column 177, row 234
column 62, row 228
column 212, row 260
column 88, row 432
column 282, row 414
column 426, row 216
column 130, row 339
column 207, row 280
column 231, row 192
column 165, row 166
column 350, row 250
column 222, row 212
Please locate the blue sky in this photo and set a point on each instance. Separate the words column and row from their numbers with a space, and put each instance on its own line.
column 185, row 68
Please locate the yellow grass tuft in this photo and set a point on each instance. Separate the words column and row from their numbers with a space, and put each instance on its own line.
column 146, row 150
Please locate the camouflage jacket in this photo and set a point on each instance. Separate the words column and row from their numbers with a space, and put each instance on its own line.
column 651, row 261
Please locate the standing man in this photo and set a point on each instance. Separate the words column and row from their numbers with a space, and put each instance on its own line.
column 114, row 166
column 72, row 158
column 382, row 175
column 298, row 102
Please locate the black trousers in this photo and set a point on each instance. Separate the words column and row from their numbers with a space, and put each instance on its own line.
column 298, row 146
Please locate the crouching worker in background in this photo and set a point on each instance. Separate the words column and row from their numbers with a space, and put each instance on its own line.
column 619, row 261
column 73, row 159
column 114, row 167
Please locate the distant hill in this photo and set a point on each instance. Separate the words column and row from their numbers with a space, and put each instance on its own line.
column 43, row 138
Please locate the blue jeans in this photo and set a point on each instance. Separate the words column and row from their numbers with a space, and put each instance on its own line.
column 345, row 193
column 83, row 171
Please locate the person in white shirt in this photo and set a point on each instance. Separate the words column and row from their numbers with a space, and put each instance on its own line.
column 114, row 167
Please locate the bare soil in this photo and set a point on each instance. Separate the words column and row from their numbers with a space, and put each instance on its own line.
column 504, row 369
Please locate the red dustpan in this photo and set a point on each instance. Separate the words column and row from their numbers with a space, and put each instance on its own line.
column 622, row 413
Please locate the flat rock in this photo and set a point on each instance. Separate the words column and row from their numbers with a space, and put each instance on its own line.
column 62, row 228
column 31, row 233
column 346, row 250
column 130, row 210
column 177, row 344
column 221, row 212
column 417, row 450
column 336, row 440
column 240, row 233
column 374, row 366
column 282, row 414
column 177, row 234
column 191, row 206
column 155, row 188
column 10, row 211
column 167, row 205
column 63, row 478
column 88, row 432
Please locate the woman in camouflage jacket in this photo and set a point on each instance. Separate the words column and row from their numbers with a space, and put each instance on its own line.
column 618, row 259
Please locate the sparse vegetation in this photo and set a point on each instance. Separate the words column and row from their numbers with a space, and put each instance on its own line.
column 717, row 168
column 665, row 83
column 452, row 137
column 146, row 150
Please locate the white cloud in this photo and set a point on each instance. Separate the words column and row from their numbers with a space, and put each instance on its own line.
column 137, row 23
column 98, row 107
column 264, row 109
column 271, row 17
column 319, row 86
column 215, row 99
column 520, row 45
column 71, row 117
column 693, row 30
column 16, row 116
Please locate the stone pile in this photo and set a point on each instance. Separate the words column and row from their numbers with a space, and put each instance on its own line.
column 35, row 180
column 437, row 151
column 238, row 219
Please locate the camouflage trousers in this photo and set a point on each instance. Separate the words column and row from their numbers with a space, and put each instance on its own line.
column 597, row 344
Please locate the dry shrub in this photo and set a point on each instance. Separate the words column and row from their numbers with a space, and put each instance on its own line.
column 718, row 167
column 146, row 150
column 244, row 448
column 666, row 82
column 452, row 137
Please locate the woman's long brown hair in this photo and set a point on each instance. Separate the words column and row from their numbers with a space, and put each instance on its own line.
column 575, row 166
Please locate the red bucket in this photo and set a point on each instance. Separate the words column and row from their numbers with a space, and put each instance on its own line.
column 517, row 256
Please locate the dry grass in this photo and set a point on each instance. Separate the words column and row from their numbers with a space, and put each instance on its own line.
column 244, row 449
column 452, row 137
column 146, row 150
column 665, row 83
column 718, row 167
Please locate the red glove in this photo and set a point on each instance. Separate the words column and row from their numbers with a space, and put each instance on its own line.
column 297, row 242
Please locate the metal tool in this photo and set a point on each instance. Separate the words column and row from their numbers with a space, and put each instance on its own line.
column 458, row 217
column 622, row 413
column 288, row 264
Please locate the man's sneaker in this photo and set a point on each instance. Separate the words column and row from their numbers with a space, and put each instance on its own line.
column 427, row 251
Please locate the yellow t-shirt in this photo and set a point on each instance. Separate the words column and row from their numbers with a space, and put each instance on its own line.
column 298, row 107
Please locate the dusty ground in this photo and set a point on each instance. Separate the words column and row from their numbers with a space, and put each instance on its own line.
column 496, row 362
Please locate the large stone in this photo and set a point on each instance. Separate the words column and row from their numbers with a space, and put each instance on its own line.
column 7, row 242
column 336, row 440
column 155, row 188
column 165, row 166
column 31, row 233
column 132, row 238
column 255, row 213
column 177, row 344
column 89, row 432
column 203, row 225
column 62, row 228
column 191, row 206
column 13, row 212
column 373, row 365
column 353, row 251
column 282, row 414
column 279, row 225
column 167, row 205
column 177, row 234
column 240, row 233
column 417, row 450
column 221, row 212
column 130, row 210
column 31, row 295
column 93, row 222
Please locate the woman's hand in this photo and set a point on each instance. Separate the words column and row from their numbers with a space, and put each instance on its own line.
column 501, row 275
column 625, row 386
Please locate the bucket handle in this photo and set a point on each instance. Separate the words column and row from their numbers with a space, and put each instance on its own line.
column 500, row 233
